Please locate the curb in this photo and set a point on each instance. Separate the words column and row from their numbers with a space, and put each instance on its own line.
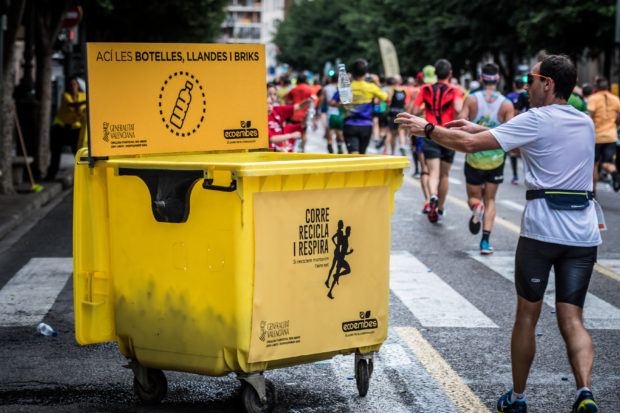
column 16, row 209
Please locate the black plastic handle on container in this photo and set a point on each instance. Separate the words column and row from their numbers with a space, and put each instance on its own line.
column 208, row 184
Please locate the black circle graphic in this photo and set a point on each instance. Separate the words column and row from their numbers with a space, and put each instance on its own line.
column 200, row 99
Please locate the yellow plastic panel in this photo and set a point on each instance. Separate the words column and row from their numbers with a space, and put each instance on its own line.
column 92, row 280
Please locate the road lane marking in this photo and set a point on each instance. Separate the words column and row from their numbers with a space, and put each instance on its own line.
column 512, row 205
column 454, row 181
column 598, row 314
column 517, row 229
column 29, row 295
column 430, row 299
column 449, row 381
column 603, row 267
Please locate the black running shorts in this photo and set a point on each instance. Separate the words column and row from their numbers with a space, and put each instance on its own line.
column 474, row 176
column 604, row 152
column 433, row 150
column 572, row 265
column 357, row 137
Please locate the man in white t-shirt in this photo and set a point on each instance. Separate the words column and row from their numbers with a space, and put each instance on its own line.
column 559, row 225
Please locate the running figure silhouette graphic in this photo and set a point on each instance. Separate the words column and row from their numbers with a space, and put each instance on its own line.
column 340, row 252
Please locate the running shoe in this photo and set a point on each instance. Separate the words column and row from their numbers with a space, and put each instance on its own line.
column 440, row 216
column 585, row 403
column 427, row 207
column 402, row 152
column 485, row 248
column 381, row 142
column 432, row 209
column 475, row 222
column 505, row 406
column 615, row 181
column 515, row 180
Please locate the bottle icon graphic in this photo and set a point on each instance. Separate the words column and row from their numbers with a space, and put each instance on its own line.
column 181, row 105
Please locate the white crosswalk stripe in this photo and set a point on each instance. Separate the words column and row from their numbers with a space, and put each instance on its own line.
column 30, row 294
column 429, row 298
column 597, row 313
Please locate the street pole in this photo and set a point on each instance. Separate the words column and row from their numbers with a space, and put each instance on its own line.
column 25, row 97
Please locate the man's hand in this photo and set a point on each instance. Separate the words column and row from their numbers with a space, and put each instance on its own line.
column 466, row 126
column 414, row 124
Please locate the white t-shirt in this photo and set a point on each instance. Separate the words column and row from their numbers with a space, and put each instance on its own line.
column 557, row 148
column 330, row 91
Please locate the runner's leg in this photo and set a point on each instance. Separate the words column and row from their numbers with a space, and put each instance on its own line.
column 444, row 183
column 523, row 342
column 578, row 342
column 488, row 195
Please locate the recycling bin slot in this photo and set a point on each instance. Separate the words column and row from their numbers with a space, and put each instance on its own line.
column 170, row 191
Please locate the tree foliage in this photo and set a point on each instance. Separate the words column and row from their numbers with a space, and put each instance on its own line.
column 153, row 21
column 316, row 31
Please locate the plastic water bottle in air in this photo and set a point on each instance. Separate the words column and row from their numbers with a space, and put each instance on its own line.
column 344, row 86
column 46, row 330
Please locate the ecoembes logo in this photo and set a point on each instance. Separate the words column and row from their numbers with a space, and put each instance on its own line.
column 364, row 323
column 246, row 131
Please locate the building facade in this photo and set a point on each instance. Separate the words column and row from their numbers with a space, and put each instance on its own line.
column 252, row 21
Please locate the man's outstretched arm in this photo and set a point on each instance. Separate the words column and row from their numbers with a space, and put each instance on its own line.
column 461, row 135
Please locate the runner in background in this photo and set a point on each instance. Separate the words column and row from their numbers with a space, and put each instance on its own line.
column 300, row 93
column 484, row 171
column 358, row 114
column 334, row 117
column 441, row 101
column 416, row 143
column 604, row 109
column 283, row 89
column 379, row 117
column 396, row 102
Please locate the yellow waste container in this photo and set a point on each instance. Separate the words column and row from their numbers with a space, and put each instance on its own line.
column 241, row 262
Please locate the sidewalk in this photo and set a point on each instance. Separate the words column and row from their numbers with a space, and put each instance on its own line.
column 16, row 209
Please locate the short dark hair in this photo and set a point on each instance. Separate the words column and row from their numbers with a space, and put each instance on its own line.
column 359, row 68
column 442, row 69
column 490, row 69
column 587, row 90
column 602, row 84
column 519, row 82
column 562, row 71
column 301, row 78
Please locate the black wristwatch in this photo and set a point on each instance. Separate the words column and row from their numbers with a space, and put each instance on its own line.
column 428, row 129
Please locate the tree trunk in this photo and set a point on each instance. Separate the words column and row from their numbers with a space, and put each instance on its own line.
column 49, row 17
column 7, row 120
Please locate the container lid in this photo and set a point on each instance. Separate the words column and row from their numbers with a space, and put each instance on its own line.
column 263, row 163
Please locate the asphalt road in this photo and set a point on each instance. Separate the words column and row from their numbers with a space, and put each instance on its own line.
column 451, row 313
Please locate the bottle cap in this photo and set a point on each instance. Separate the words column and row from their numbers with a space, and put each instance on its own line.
column 341, row 66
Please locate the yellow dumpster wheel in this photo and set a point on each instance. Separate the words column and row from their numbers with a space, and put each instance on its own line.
column 250, row 399
column 155, row 391
column 363, row 370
